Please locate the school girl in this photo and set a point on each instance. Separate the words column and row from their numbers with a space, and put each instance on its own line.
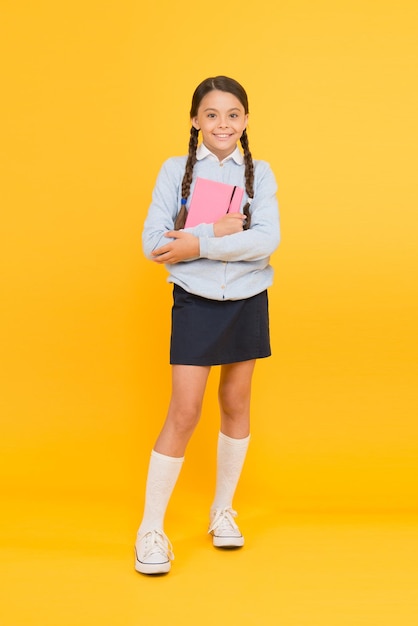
column 220, row 271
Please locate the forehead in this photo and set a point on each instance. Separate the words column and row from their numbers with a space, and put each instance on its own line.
column 220, row 100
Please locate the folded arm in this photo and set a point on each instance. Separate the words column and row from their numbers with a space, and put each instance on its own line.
column 223, row 241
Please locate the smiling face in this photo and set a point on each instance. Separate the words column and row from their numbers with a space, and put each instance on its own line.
column 222, row 119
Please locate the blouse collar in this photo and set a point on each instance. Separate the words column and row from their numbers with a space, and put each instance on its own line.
column 203, row 152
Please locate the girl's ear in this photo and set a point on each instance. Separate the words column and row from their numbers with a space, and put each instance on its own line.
column 246, row 120
column 195, row 123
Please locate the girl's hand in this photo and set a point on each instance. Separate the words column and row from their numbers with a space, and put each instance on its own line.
column 185, row 246
column 229, row 224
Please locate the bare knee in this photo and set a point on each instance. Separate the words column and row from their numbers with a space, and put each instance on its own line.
column 235, row 388
column 176, row 432
column 235, row 415
column 233, row 400
column 183, row 419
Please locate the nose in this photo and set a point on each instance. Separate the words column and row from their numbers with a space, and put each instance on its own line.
column 223, row 122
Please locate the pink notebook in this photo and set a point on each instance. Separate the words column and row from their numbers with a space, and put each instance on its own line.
column 211, row 200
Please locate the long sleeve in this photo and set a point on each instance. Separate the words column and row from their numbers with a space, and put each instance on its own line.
column 262, row 238
column 166, row 200
column 232, row 267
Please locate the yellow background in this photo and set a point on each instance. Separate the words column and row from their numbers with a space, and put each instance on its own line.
column 95, row 96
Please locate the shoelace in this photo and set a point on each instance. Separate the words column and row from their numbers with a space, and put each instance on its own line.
column 224, row 521
column 157, row 542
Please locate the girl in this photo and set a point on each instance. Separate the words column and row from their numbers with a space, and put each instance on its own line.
column 220, row 273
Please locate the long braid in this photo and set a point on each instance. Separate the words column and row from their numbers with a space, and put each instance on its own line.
column 249, row 177
column 187, row 179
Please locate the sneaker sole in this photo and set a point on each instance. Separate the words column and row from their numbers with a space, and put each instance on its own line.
column 152, row 568
column 228, row 542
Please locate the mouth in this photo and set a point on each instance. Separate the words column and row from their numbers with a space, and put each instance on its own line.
column 223, row 136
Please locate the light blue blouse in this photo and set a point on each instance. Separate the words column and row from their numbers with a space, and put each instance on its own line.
column 232, row 267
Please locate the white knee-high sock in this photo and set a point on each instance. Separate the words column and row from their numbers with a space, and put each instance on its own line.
column 230, row 459
column 163, row 472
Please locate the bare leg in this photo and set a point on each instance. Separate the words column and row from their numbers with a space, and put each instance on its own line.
column 234, row 402
column 153, row 549
column 234, row 398
column 188, row 388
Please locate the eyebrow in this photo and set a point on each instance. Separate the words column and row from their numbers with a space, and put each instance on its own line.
column 229, row 110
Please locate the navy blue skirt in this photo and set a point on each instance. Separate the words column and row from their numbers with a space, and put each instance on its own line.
column 215, row 332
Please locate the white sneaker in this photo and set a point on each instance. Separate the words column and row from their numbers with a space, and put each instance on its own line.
column 153, row 553
column 224, row 530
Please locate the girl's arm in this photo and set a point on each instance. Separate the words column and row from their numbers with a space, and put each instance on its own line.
column 164, row 208
column 200, row 242
column 263, row 236
column 260, row 240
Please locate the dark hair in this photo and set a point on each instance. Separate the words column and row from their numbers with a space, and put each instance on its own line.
column 229, row 85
